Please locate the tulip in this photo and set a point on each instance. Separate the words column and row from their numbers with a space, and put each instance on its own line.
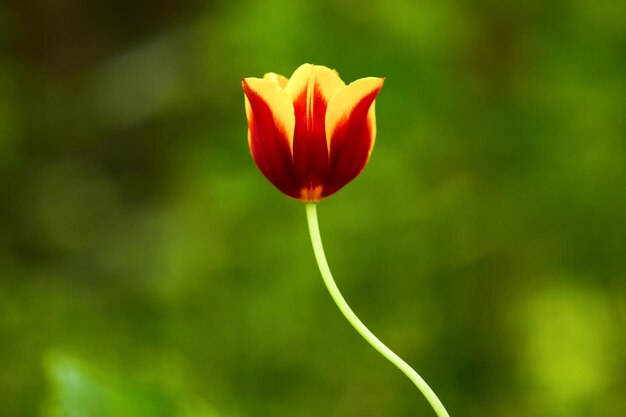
column 311, row 134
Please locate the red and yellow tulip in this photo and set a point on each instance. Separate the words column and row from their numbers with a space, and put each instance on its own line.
column 311, row 134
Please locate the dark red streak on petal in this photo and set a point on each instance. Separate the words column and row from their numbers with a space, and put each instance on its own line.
column 269, row 146
column 309, row 145
column 350, row 146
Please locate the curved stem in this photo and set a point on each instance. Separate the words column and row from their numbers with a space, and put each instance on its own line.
column 318, row 249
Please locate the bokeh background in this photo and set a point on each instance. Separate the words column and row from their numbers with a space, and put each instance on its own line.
column 148, row 269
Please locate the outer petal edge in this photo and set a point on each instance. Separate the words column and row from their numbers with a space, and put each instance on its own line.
column 277, row 100
column 344, row 101
column 271, row 123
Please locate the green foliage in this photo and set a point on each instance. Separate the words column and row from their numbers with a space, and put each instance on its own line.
column 84, row 391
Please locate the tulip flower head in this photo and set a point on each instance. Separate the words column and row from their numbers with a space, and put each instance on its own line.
column 311, row 134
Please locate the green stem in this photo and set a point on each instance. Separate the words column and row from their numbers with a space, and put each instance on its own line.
column 318, row 249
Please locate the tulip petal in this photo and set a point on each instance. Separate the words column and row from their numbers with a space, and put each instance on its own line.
column 277, row 79
column 311, row 87
column 350, row 131
column 327, row 80
column 271, row 125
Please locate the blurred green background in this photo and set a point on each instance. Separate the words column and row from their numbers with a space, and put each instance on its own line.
column 148, row 269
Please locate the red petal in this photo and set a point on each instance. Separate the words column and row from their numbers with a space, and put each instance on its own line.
column 270, row 133
column 351, row 129
column 311, row 87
